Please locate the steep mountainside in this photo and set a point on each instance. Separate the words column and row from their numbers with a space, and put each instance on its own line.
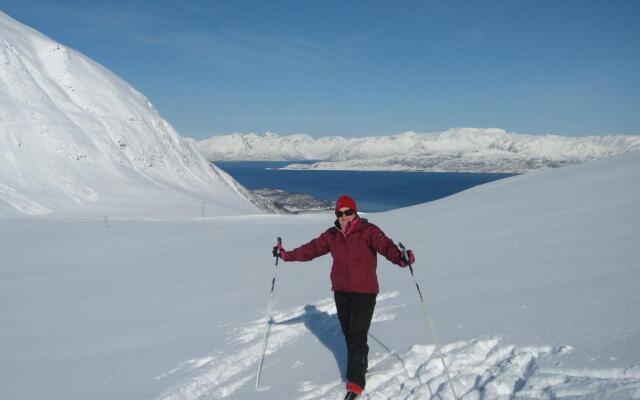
column 77, row 139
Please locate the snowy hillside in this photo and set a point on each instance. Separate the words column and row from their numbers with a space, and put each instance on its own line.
column 531, row 281
column 76, row 139
column 463, row 150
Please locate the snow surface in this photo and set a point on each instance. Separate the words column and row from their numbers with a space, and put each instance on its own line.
column 455, row 150
column 531, row 281
column 75, row 138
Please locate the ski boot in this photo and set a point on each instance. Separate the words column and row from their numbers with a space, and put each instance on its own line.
column 350, row 396
column 353, row 391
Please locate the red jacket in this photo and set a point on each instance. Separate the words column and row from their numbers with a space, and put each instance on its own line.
column 354, row 255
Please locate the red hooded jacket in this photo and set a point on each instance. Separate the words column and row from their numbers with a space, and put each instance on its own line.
column 354, row 255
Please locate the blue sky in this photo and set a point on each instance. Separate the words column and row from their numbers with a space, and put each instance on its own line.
column 364, row 68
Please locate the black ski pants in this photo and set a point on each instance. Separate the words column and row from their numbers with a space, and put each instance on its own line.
column 355, row 311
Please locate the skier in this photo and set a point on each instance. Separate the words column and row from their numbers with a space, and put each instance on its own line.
column 353, row 243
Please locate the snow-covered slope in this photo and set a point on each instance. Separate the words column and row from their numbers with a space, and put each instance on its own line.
column 76, row 139
column 531, row 281
column 463, row 149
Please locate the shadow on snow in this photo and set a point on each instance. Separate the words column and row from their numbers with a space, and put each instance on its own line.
column 326, row 328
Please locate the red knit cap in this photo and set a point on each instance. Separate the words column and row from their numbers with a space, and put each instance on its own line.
column 346, row 201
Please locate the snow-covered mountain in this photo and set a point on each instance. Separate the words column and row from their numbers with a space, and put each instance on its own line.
column 77, row 139
column 462, row 149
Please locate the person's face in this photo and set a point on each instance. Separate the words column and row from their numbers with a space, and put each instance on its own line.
column 345, row 215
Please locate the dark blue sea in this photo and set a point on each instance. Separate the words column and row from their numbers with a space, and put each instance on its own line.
column 373, row 190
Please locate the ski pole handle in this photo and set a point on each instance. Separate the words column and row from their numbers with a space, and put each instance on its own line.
column 276, row 249
column 404, row 251
column 405, row 256
column 279, row 247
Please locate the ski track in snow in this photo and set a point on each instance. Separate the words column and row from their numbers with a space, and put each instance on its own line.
column 481, row 368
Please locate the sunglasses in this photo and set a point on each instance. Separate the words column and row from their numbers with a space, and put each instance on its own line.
column 348, row 213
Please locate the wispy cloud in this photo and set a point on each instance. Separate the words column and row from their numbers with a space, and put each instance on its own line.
column 227, row 48
column 91, row 16
column 216, row 47
column 192, row 6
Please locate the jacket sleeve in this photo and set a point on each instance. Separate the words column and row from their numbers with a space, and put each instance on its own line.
column 315, row 248
column 385, row 246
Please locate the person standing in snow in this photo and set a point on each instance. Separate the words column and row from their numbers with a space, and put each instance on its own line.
column 353, row 243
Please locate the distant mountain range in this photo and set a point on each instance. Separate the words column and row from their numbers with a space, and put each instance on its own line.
column 455, row 150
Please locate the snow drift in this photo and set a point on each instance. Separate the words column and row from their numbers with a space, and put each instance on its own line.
column 76, row 139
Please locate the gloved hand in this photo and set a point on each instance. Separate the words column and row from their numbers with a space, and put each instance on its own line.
column 407, row 259
column 278, row 250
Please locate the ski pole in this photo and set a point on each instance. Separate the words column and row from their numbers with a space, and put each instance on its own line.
column 268, row 327
column 431, row 327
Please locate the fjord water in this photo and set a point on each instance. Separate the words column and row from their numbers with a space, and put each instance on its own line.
column 375, row 191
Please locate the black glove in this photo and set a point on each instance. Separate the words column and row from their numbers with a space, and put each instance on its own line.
column 278, row 250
